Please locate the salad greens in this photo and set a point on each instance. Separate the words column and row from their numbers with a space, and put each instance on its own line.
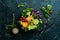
column 29, row 20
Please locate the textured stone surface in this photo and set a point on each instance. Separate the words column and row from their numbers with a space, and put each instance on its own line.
column 51, row 31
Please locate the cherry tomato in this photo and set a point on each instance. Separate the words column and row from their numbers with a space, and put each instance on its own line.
column 50, row 11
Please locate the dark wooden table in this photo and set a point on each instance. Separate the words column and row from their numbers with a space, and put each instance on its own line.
column 50, row 32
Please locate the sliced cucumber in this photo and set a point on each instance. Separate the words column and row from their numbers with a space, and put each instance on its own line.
column 32, row 27
column 35, row 21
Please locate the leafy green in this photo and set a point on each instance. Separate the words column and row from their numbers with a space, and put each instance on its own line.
column 46, row 15
column 24, row 29
column 24, row 14
column 41, row 21
column 29, row 9
column 28, row 13
column 43, row 8
column 34, row 16
column 20, row 5
column 24, row 10
column 49, row 7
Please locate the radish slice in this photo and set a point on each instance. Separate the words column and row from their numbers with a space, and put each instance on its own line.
column 15, row 30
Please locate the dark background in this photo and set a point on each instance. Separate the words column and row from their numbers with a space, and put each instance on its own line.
column 51, row 31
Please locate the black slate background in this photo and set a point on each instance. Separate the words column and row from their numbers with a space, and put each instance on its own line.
column 50, row 32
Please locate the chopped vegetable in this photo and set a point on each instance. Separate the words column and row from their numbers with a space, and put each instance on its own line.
column 47, row 10
column 28, row 13
column 29, row 18
column 24, row 10
column 29, row 9
column 50, row 11
column 15, row 30
column 34, row 15
column 43, row 8
column 24, row 24
column 49, row 7
column 20, row 5
column 35, row 21
column 41, row 21
column 32, row 27
column 46, row 16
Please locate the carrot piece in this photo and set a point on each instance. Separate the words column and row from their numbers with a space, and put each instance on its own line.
column 29, row 18
column 24, row 24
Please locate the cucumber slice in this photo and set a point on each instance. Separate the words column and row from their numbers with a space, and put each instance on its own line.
column 35, row 21
column 32, row 27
